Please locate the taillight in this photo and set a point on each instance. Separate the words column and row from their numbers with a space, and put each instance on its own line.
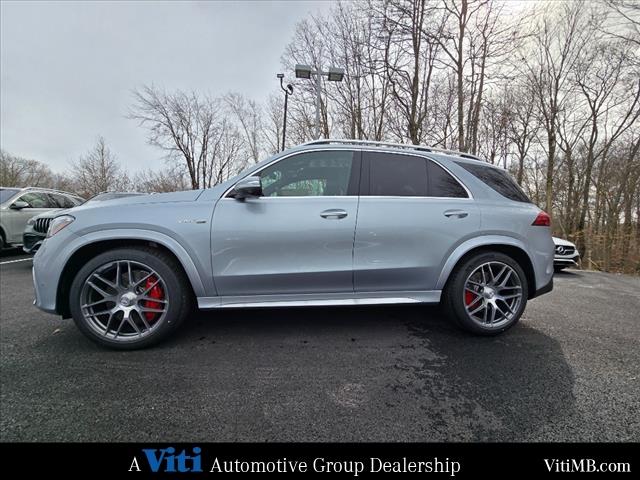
column 542, row 220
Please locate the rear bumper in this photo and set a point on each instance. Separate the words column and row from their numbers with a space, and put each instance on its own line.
column 544, row 289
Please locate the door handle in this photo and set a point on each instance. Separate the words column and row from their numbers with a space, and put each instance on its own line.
column 456, row 213
column 333, row 213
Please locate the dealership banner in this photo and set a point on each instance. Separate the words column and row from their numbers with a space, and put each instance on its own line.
column 356, row 460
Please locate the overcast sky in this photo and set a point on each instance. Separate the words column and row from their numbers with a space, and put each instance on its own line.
column 67, row 69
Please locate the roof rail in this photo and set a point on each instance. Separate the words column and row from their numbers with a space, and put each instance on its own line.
column 422, row 148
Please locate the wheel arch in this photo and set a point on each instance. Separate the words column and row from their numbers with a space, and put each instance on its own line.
column 508, row 246
column 93, row 247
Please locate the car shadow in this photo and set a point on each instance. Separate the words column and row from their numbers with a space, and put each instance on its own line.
column 9, row 253
column 426, row 380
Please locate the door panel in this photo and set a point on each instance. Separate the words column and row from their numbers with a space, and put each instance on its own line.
column 402, row 242
column 283, row 245
column 296, row 238
column 410, row 218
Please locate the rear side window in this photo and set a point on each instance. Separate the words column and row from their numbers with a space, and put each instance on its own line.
column 397, row 175
column 442, row 184
column 497, row 179
column 62, row 201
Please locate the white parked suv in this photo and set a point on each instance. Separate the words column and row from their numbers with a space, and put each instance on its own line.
column 566, row 254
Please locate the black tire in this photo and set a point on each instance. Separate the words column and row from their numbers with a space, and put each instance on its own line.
column 178, row 294
column 453, row 294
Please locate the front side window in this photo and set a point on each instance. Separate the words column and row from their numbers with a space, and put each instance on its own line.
column 37, row 200
column 311, row 174
column 397, row 175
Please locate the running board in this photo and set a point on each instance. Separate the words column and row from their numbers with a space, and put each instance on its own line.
column 319, row 300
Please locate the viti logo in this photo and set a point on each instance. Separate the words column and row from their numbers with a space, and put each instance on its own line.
column 167, row 460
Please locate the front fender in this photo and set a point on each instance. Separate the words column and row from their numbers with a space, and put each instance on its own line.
column 194, row 270
column 467, row 246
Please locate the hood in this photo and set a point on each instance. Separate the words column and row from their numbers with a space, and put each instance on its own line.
column 184, row 196
column 53, row 213
column 563, row 242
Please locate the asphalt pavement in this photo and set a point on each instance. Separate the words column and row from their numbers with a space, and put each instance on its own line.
column 568, row 372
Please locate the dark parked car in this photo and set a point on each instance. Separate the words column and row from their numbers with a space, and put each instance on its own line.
column 36, row 230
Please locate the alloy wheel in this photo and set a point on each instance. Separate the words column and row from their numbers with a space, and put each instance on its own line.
column 492, row 294
column 124, row 300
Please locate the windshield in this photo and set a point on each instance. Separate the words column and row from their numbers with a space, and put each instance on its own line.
column 7, row 193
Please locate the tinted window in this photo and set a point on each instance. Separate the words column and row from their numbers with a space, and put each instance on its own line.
column 397, row 175
column 62, row 201
column 7, row 193
column 442, row 184
column 37, row 200
column 313, row 174
column 497, row 179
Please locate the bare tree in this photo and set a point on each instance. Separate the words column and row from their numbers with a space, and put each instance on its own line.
column 170, row 179
column 183, row 125
column 548, row 62
column 22, row 172
column 98, row 171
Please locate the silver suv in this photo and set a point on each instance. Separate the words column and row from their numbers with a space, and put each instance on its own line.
column 18, row 205
column 331, row 222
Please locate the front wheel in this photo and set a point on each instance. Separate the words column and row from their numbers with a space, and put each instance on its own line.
column 487, row 293
column 129, row 298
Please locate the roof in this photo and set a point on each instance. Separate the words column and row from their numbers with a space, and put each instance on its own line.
column 404, row 146
column 41, row 189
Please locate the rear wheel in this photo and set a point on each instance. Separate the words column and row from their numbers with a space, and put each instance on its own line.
column 487, row 293
column 129, row 298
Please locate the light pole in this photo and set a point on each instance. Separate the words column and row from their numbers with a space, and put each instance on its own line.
column 288, row 90
column 334, row 74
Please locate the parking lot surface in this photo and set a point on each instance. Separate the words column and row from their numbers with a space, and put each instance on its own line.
column 568, row 372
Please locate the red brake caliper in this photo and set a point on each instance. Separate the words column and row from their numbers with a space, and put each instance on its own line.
column 155, row 292
column 468, row 297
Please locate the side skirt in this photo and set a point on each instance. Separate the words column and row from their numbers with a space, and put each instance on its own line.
column 321, row 299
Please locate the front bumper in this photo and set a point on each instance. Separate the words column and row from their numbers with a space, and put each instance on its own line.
column 31, row 241
column 48, row 264
column 566, row 260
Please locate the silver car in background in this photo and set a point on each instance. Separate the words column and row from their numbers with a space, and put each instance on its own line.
column 18, row 205
column 36, row 229
column 331, row 222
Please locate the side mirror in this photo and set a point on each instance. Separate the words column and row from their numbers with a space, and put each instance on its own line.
column 19, row 205
column 248, row 187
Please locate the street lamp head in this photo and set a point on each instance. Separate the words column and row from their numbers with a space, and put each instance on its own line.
column 335, row 74
column 303, row 71
column 280, row 75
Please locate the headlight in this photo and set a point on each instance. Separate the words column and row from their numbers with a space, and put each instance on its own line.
column 58, row 224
